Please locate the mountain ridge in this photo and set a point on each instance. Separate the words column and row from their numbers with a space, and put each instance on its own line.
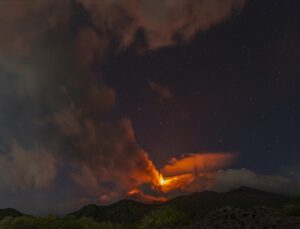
column 195, row 205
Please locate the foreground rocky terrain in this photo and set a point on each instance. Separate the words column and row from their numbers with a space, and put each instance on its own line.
column 254, row 218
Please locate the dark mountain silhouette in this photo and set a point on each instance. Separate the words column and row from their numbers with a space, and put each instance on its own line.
column 247, row 190
column 124, row 211
column 195, row 205
column 9, row 212
column 237, row 209
column 199, row 204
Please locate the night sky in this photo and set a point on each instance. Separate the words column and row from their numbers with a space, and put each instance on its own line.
column 236, row 88
column 92, row 91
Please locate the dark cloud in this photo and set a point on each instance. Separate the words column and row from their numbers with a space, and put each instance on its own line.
column 22, row 23
column 109, row 162
column 23, row 169
column 161, row 21
column 59, row 108
column 164, row 93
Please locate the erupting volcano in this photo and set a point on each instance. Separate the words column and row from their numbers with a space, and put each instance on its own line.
column 180, row 174
column 168, row 184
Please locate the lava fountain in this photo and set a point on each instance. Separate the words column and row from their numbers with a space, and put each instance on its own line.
column 181, row 172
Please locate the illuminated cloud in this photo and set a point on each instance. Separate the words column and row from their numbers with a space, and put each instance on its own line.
column 201, row 162
column 164, row 22
column 226, row 180
column 112, row 163
column 229, row 179
column 27, row 169
column 139, row 195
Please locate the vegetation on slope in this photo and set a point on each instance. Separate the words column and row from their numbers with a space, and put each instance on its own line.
column 176, row 212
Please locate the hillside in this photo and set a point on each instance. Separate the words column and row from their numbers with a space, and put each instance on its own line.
column 233, row 209
column 9, row 212
column 124, row 211
column 195, row 205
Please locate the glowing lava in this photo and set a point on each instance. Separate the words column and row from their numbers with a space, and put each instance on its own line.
column 165, row 181
column 182, row 173
column 134, row 192
column 162, row 185
column 167, row 184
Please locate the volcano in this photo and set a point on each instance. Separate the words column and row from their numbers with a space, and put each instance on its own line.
column 195, row 205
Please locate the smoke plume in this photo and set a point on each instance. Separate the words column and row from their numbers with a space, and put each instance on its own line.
column 55, row 104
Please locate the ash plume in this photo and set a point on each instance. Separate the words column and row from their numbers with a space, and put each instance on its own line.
column 56, row 106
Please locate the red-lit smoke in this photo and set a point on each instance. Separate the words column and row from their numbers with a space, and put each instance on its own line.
column 182, row 173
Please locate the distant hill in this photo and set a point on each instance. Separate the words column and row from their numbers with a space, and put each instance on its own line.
column 195, row 205
column 124, row 211
column 9, row 212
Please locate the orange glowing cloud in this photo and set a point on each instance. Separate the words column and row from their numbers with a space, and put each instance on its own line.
column 182, row 173
column 197, row 163
column 137, row 194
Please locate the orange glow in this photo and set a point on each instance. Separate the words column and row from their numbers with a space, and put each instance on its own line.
column 179, row 173
column 133, row 192
column 168, row 184
column 182, row 174
column 194, row 163
column 139, row 195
